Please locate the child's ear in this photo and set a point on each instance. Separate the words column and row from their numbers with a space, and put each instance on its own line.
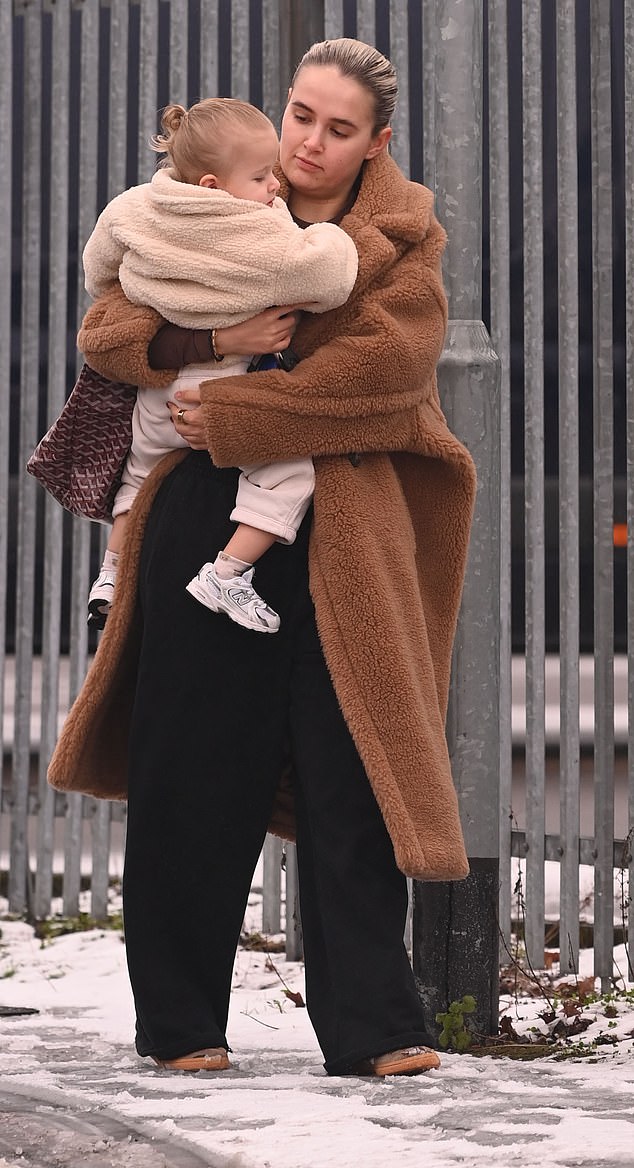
column 208, row 180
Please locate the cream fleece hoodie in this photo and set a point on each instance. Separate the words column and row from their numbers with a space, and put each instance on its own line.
column 203, row 258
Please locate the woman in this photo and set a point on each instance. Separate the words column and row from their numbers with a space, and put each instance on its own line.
column 348, row 700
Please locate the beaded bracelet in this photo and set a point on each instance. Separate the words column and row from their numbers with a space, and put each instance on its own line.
column 212, row 345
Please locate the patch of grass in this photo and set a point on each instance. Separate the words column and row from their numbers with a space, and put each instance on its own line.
column 49, row 928
column 259, row 944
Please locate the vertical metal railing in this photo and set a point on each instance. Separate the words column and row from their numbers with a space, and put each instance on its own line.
column 117, row 104
column 500, row 298
column 6, row 225
column 603, row 468
column 148, row 87
column 179, row 24
column 534, row 477
column 240, row 51
column 429, row 35
column 274, row 84
column 628, row 858
column 366, row 21
column 398, row 51
column 568, row 257
column 88, row 13
column 208, row 48
column 53, row 515
column 19, row 874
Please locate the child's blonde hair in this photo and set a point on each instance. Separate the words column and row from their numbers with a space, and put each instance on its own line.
column 201, row 140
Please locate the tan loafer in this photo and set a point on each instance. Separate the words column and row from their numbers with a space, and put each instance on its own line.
column 412, row 1060
column 215, row 1059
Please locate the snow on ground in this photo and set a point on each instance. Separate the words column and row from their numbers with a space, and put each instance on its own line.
column 277, row 1108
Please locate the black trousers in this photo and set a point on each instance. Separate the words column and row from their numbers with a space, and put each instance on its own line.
column 218, row 709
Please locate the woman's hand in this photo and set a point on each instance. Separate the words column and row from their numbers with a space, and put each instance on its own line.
column 187, row 417
column 270, row 331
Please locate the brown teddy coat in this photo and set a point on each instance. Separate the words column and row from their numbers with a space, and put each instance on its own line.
column 391, row 524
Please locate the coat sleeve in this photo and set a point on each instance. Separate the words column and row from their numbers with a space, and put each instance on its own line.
column 316, row 268
column 114, row 338
column 362, row 388
column 101, row 258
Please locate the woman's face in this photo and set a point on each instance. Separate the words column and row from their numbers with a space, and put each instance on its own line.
column 327, row 133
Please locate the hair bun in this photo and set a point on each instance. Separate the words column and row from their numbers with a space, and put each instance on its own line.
column 172, row 117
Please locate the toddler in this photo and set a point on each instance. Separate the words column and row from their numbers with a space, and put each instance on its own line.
column 208, row 244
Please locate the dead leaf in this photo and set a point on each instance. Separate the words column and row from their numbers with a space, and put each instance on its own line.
column 295, row 997
column 571, row 1008
column 514, row 980
column 506, row 1027
column 579, row 988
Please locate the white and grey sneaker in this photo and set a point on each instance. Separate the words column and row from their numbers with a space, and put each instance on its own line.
column 236, row 597
column 100, row 598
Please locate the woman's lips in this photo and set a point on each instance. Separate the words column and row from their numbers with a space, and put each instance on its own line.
column 305, row 162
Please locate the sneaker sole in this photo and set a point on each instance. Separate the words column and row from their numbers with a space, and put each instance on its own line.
column 196, row 590
column 195, row 1062
column 415, row 1064
column 96, row 616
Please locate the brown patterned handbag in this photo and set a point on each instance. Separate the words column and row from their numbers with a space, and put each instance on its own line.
column 80, row 459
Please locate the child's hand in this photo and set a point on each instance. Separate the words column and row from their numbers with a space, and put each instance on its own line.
column 187, row 417
column 269, row 332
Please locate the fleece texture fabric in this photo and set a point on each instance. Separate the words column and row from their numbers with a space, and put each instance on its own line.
column 391, row 523
column 203, row 258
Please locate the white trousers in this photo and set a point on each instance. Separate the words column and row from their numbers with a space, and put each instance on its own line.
column 271, row 496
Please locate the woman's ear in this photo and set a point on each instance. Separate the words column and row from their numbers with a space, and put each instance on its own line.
column 208, row 180
column 379, row 142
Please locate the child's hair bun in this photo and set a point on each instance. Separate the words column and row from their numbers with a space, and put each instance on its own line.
column 171, row 120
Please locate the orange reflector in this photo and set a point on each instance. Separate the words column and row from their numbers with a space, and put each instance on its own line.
column 620, row 534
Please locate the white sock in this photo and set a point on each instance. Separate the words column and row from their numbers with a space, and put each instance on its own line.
column 110, row 561
column 229, row 566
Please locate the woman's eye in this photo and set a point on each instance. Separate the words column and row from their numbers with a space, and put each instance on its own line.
column 300, row 118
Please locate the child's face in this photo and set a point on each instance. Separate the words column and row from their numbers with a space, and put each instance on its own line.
column 251, row 175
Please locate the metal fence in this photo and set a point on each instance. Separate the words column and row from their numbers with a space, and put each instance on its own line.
column 519, row 116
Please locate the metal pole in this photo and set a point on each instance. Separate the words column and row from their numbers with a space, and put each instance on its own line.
column 629, row 358
column 455, row 933
column 500, row 280
column 19, row 874
column 603, row 469
column 306, row 26
column 294, row 941
column 87, row 144
column 534, row 512
column 569, row 750
column 6, row 179
column 53, row 515
column 399, row 56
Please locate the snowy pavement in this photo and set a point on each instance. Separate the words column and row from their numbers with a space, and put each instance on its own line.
column 73, row 1091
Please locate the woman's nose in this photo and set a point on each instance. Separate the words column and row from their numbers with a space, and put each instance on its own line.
column 313, row 140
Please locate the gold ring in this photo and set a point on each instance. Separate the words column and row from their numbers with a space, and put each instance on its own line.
column 181, row 417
